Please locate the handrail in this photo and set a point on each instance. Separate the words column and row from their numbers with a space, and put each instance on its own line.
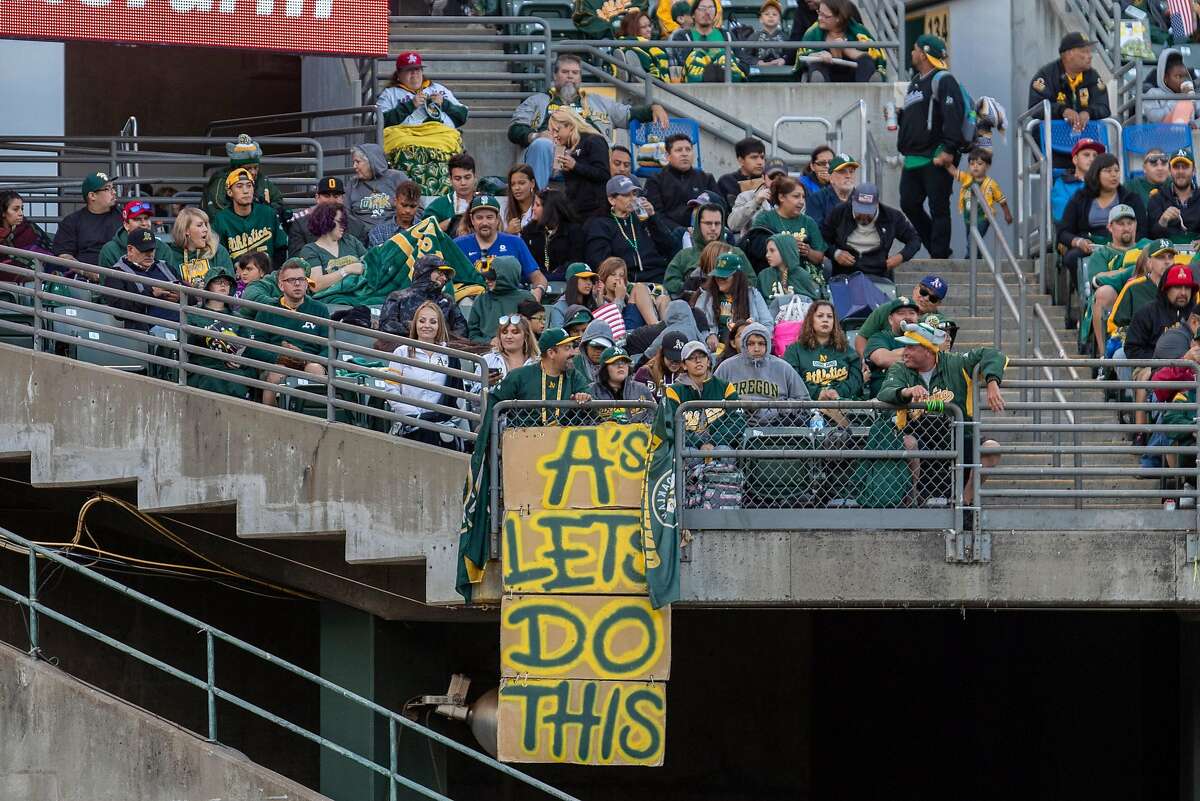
column 209, row 684
column 241, row 124
column 1039, row 167
column 977, row 247
column 46, row 321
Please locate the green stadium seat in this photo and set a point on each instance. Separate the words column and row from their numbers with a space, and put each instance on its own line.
column 73, row 324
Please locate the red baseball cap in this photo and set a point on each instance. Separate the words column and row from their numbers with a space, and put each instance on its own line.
column 1088, row 144
column 1179, row 275
column 409, row 59
column 136, row 208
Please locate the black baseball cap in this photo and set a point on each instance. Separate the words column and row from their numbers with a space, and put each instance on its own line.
column 1073, row 40
column 672, row 344
column 143, row 240
column 331, row 186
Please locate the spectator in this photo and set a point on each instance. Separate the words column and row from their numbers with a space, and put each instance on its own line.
column 670, row 189
column 422, row 119
column 531, row 119
column 632, row 305
column 535, row 313
column 804, row 17
column 787, row 275
column 928, row 293
column 497, row 301
column 255, row 282
column 681, row 17
column 843, row 177
column 708, row 226
column 752, row 201
column 221, row 282
column 1156, row 175
column 293, row 286
column 244, row 154
column 708, row 63
column 1084, row 222
column 679, row 317
column 597, row 337
column 551, row 379
column 247, row 225
column 427, row 327
column 816, row 173
column 838, row 21
column 407, row 214
column 694, row 281
column 830, row 368
column 577, row 320
column 1143, row 289
column 925, row 372
column 860, row 235
column 620, row 161
column 82, row 233
column 757, row 375
column 662, row 368
column 883, row 349
column 640, row 238
column 636, row 26
column 614, row 383
column 1173, row 78
column 450, row 210
column 140, row 262
column 596, row 19
column 929, row 140
column 979, row 161
column 329, row 190
column 787, row 217
column 582, row 159
column 373, row 186
column 515, row 346
column 770, row 14
column 1107, row 270
column 135, row 215
column 334, row 254
column 751, row 156
column 18, row 232
column 727, row 296
column 430, row 275
column 194, row 253
column 1076, row 92
column 717, row 426
column 580, row 290
column 554, row 236
column 1071, row 181
column 487, row 242
column 1174, row 213
column 522, row 193
column 1174, row 305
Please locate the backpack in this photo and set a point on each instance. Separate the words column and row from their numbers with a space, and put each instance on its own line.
column 970, row 124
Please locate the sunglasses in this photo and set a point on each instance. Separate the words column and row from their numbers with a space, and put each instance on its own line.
column 511, row 319
column 929, row 296
column 1156, row 160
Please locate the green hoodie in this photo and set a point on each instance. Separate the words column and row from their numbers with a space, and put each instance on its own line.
column 115, row 248
column 265, row 290
column 197, row 270
column 825, row 367
column 494, row 304
column 802, row 278
column 952, row 380
column 201, row 317
column 688, row 259
column 804, row 228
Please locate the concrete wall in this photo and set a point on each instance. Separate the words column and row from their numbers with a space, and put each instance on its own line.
column 61, row 740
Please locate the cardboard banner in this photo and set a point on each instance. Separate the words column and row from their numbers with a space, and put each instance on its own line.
column 327, row 27
column 572, row 551
column 577, row 467
column 582, row 722
column 584, row 637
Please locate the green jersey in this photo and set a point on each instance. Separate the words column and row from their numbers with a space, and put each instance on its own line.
column 952, row 380
column 530, row 382
column 195, row 268
column 825, row 367
column 877, row 320
column 887, row 341
column 280, row 320
column 257, row 231
column 712, row 426
column 803, row 228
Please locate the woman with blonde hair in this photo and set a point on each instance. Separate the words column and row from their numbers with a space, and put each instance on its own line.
column 195, row 252
column 513, row 346
column 428, row 327
column 581, row 155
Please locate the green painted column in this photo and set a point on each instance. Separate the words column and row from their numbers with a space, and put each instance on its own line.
column 348, row 659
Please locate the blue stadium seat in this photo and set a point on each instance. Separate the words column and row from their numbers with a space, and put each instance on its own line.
column 641, row 133
column 1140, row 139
column 1063, row 138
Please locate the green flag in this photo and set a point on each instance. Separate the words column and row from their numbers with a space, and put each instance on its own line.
column 388, row 266
column 473, row 535
column 660, row 522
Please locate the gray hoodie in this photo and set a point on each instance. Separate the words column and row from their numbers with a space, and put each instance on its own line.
column 373, row 201
column 768, row 378
column 583, row 365
column 1156, row 104
column 678, row 317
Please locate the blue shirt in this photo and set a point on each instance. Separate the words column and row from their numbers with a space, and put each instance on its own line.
column 505, row 245
column 1064, row 188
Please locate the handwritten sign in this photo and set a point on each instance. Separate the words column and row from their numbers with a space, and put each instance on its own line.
column 572, row 551
column 582, row 722
column 578, row 467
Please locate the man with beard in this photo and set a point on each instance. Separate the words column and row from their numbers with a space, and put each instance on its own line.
column 1105, row 271
column 1174, row 213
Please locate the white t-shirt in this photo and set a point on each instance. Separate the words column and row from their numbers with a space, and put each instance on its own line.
column 428, row 375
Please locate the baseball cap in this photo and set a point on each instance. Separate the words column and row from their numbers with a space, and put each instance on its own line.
column 409, row 59
column 865, row 199
column 728, row 264
column 580, row 270
column 693, row 347
column 1179, row 275
column 237, row 176
column 435, row 261
column 771, row 4
column 933, row 48
column 843, row 160
column 1073, row 40
column 1121, row 211
column 614, row 354
column 936, row 286
column 673, row 340
column 621, row 185
column 136, row 208
column 581, row 316
column 95, row 182
column 773, row 166
column 1181, row 154
column 1087, row 144
column 705, row 199
column 923, row 334
column 904, row 302
column 552, row 337
column 1161, row 246
column 143, row 240
column 331, row 186
column 484, row 202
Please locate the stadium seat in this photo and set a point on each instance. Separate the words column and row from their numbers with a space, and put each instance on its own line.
column 1140, row 139
column 314, row 406
column 1063, row 138
column 641, row 133
column 73, row 324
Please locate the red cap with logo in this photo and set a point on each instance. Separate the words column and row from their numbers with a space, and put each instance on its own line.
column 409, row 59
column 136, row 208
column 1087, row 144
column 1180, row 275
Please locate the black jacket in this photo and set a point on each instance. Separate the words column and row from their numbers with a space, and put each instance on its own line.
column 554, row 252
column 159, row 271
column 655, row 244
column 729, row 185
column 917, row 137
column 1074, row 221
column 400, row 306
column 670, row 190
column 585, row 183
column 891, row 224
column 1165, row 199
column 1151, row 320
column 1050, row 83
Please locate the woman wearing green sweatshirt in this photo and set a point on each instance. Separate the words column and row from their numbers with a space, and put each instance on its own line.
column 831, row 369
column 786, row 275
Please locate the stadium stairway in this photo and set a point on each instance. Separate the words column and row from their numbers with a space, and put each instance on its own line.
column 289, row 476
column 978, row 331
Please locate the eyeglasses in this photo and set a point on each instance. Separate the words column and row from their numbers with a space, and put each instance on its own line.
column 929, row 296
column 540, row 318
column 293, row 280
column 510, row 319
column 1156, row 159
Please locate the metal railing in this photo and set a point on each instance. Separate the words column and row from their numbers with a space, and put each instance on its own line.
column 369, row 127
column 209, row 682
column 977, row 247
column 1035, row 219
column 356, row 384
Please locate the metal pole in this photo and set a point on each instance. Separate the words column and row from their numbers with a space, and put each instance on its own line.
column 34, row 644
column 1047, row 184
column 330, row 392
column 37, row 304
column 1022, row 223
column 728, row 61
column 393, row 758
column 972, row 250
column 211, row 653
column 112, row 164
column 959, row 438
column 181, row 377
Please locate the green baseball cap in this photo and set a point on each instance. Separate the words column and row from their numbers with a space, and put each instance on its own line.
column 728, row 264
column 615, row 354
column 1162, row 246
column 905, row 302
column 581, row 270
column 552, row 337
column 933, row 48
column 581, row 317
column 95, row 182
column 484, row 202
column 843, row 160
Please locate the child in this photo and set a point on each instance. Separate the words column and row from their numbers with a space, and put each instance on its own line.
column 769, row 17
column 681, row 13
column 979, row 161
